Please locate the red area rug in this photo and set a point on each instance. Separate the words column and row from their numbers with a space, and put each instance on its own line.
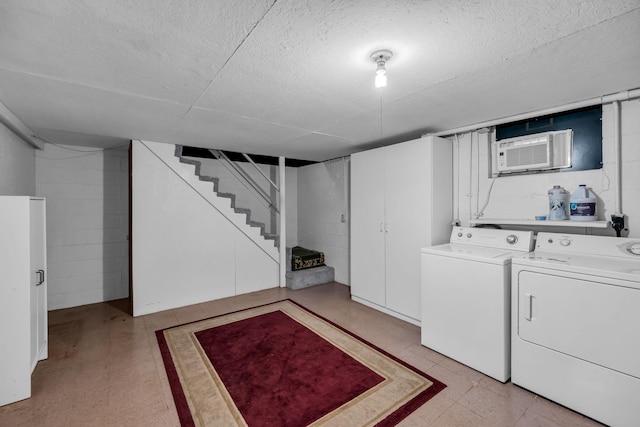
column 282, row 365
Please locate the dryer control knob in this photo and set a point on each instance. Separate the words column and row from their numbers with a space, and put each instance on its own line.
column 459, row 234
column 469, row 235
column 565, row 242
column 512, row 239
column 635, row 249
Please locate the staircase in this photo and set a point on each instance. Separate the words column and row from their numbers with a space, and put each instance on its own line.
column 189, row 244
column 232, row 197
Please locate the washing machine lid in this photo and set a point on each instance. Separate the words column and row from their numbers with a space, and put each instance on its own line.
column 474, row 253
column 597, row 266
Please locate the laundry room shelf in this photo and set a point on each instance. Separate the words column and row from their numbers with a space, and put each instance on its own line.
column 533, row 222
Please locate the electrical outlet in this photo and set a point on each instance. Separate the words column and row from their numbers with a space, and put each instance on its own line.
column 342, row 218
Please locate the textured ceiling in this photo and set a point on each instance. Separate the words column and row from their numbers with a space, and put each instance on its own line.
column 293, row 77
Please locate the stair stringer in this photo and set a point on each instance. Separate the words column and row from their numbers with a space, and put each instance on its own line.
column 224, row 205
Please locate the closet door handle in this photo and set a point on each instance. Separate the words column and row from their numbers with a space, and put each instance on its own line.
column 40, row 274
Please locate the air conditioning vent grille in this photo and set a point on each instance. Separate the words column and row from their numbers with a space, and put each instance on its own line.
column 524, row 156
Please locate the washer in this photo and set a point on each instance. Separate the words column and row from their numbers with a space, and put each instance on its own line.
column 466, row 297
column 576, row 324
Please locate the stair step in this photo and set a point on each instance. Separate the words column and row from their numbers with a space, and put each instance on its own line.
column 309, row 277
column 208, row 178
column 230, row 196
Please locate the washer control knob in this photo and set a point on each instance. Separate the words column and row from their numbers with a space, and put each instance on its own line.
column 459, row 234
column 469, row 235
column 635, row 249
column 565, row 242
column 512, row 239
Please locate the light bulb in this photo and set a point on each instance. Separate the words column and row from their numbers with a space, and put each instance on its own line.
column 381, row 78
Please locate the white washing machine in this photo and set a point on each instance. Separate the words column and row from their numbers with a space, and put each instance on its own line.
column 576, row 324
column 466, row 294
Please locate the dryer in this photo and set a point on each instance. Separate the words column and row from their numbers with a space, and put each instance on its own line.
column 576, row 324
column 466, row 309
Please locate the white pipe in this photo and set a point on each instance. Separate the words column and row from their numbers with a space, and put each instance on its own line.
column 620, row 96
column 617, row 142
column 478, row 171
column 456, row 182
column 470, row 193
column 283, row 223
column 480, row 214
column 345, row 181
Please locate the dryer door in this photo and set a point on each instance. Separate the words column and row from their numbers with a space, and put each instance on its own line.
column 581, row 317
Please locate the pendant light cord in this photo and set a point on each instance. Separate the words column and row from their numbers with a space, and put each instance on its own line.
column 380, row 114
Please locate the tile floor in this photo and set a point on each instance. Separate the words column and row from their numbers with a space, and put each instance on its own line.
column 104, row 368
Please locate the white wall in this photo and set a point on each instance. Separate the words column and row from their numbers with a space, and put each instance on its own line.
column 17, row 165
column 322, row 199
column 525, row 196
column 185, row 250
column 87, row 223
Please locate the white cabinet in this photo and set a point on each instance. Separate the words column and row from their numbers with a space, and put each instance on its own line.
column 401, row 201
column 23, row 294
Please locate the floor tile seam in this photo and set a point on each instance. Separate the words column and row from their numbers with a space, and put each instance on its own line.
column 137, row 336
column 451, row 409
column 444, row 410
column 522, row 412
column 444, row 380
column 420, row 349
column 545, row 414
column 474, row 379
column 525, row 393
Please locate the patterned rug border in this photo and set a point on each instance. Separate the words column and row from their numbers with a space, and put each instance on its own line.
column 180, row 400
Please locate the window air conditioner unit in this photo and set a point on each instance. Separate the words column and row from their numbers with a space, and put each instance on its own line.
column 541, row 151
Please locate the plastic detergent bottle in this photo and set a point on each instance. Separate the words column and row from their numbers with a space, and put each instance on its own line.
column 557, row 203
column 582, row 206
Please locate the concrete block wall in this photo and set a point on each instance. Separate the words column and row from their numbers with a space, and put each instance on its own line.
column 322, row 200
column 87, row 223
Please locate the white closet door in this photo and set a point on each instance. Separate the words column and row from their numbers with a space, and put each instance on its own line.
column 15, row 298
column 367, row 226
column 407, row 215
column 38, row 282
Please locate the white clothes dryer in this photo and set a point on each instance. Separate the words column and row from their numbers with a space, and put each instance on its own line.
column 576, row 324
column 466, row 285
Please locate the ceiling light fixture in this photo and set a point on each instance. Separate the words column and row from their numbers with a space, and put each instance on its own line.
column 380, row 57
